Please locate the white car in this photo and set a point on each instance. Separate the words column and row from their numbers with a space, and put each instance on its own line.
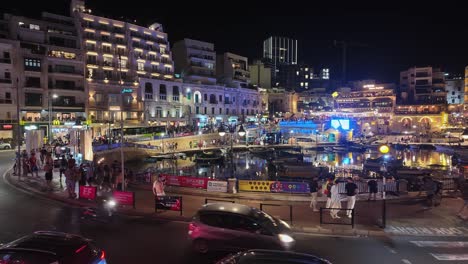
column 5, row 146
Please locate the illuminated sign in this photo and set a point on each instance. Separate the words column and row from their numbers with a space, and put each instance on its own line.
column 56, row 122
column 7, row 126
column 335, row 94
column 340, row 123
column 114, row 108
column 384, row 149
column 126, row 90
column 372, row 87
column 30, row 127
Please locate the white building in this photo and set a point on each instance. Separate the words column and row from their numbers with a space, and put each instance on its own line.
column 195, row 61
column 165, row 103
column 232, row 70
column 455, row 90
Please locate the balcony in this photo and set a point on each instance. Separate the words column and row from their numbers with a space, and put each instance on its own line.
column 65, row 104
column 65, row 71
column 65, row 87
column 213, row 102
column 5, row 60
column 5, row 101
column 5, row 80
column 200, row 56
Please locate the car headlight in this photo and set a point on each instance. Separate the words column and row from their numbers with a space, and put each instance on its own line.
column 111, row 203
column 285, row 238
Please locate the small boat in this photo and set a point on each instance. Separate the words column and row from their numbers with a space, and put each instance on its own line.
column 261, row 151
column 209, row 157
column 340, row 149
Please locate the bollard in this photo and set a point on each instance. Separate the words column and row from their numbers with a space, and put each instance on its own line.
column 232, row 183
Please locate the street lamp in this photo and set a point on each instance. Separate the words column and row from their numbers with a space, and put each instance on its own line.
column 231, row 130
column 50, row 99
column 384, row 149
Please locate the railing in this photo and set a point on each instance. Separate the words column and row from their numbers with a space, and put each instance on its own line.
column 76, row 72
column 70, row 88
column 5, row 101
column 5, row 80
column 5, row 60
column 58, row 104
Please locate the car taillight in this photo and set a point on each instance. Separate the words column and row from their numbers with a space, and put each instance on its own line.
column 192, row 227
column 103, row 255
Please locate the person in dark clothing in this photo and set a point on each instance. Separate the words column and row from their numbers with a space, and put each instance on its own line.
column 313, row 192
column 372, row 184
column 351, row 191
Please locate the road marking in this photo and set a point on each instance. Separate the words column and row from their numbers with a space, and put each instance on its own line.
column 450, row 256
column 444, row 244
column 390, row 249
column 431, row 231
column 406, row 261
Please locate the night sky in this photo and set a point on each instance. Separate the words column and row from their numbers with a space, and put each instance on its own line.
column 384, row 38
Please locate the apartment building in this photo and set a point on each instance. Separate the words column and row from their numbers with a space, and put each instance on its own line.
column 195, row 61
column 118, row 54
column 422, row 85
column 7, row 90
column 48, row 64
column 232, row 70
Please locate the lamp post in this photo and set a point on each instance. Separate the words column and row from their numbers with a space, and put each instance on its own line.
column 384, row 149
column 50, row 99
column 232, row 130
column 162, row 142
column 18, row 132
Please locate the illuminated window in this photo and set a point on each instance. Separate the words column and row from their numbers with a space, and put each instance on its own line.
column 297, row 72
column 123, row 63
column 34, row 27
column 302, row 84
column 162, row 50
column 141, row 66
column 307, row 76
column 62, row 54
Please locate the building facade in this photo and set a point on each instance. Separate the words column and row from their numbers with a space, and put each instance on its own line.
column 455, row 90
column 260, row 74
column 195, row 61
column 8, row 89
column 48, row 65
column 279, row 51
column 118, row 54
column 295, row 77
column 232, row 70
column 422, row 85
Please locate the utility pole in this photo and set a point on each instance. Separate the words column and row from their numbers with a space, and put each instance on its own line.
column 18, row 133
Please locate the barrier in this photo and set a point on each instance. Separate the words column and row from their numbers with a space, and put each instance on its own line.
column 322, row 209
column 290, row 209
column 218, row 200
column 168, row 203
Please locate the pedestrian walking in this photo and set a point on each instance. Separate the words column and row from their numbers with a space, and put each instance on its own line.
column 326, row 190
column 70, row 182
column 464, row 190
column 48, row 168
column 313, row 185
column 33, row 164
column 351, row 191
column 373, row 189
column 335, row 201
column 430, row 188
column 158, row 187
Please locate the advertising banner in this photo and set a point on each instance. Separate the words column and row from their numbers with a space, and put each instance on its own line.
column 273, row 186
column 255, row 186
column 170, row 203
column 290, row 187
column 217, row 186
column 124, row 198
column 87, row 192
column 185, row 181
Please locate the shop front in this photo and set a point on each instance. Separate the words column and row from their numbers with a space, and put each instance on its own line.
column 6, row 131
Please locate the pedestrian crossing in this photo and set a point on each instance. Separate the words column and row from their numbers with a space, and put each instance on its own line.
column 445, row 250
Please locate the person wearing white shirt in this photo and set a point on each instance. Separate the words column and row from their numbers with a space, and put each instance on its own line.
column 335, row 201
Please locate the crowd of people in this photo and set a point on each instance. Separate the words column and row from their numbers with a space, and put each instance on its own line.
column 106, row 177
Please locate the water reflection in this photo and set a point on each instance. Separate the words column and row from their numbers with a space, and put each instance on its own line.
column 248, row 166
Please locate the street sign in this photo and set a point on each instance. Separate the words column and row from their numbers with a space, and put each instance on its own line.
column 127, row 90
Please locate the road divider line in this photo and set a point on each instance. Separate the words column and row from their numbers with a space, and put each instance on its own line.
column 450, row 256
column 406, row 261
column 390, row 249
column 441, row 244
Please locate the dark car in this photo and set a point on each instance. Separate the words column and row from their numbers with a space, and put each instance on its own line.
column 271, row 256
column 45, row 247
column 230, row 226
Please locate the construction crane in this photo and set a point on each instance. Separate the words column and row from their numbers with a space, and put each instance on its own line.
column 344, row 49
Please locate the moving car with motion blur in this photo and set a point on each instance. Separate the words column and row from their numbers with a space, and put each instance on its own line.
column 271, row 257
column 232, row 227
column 47, row 247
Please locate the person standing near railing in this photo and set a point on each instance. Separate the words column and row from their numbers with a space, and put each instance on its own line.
column 351, row 191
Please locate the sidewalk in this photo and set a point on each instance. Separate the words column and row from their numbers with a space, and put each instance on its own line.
column 405, row 215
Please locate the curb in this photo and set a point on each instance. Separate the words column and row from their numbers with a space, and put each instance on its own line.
column 158, row 216
column 83, row 204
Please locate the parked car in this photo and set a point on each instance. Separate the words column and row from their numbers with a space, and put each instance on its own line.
column 5, row 145
column 271, row 256
column 46, row 247
column 232, row 227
